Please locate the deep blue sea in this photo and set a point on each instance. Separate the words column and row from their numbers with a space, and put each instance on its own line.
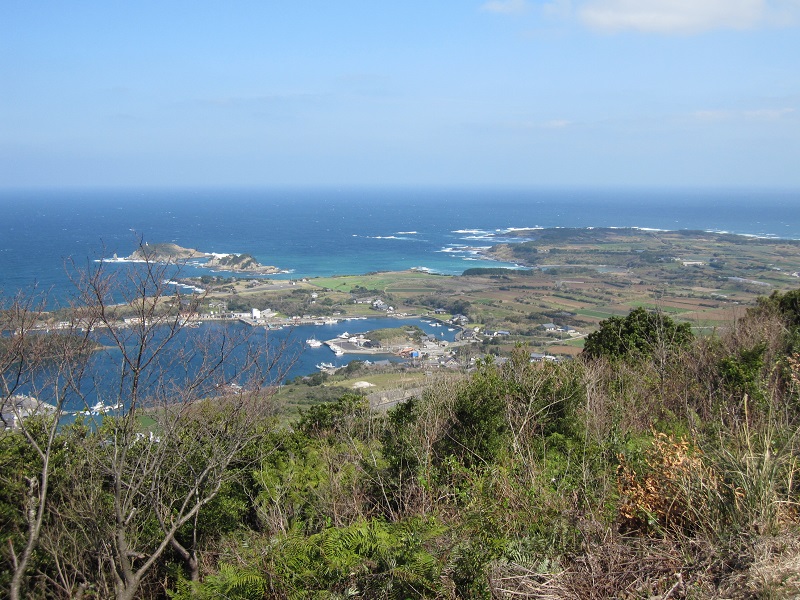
column 325, row 232
column 311, row 233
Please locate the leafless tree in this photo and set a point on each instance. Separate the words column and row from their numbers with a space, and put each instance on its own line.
column 38, row 371
column 204, row 398
column 167, row 411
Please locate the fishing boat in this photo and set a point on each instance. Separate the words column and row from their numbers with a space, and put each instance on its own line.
column 99, row 409
column 337, row 350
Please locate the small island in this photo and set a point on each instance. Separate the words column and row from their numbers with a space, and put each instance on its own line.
column 164, row 252
column 168, row 252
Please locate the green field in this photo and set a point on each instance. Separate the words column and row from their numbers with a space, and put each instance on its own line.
column 399, row 282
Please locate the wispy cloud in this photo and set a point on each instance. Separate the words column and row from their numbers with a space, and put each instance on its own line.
column 760, row 114
column 769, row 113
column 537, row 125
column 124, row 118
column 558, row 8
column 556, row 124
column 685, row 16
column 265, row 99
column 506, row 7
column 783, row 13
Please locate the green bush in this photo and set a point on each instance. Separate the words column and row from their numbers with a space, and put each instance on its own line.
column 640, row 334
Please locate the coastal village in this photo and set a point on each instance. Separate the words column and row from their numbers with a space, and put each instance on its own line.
column 574, row 282
column 421, row 349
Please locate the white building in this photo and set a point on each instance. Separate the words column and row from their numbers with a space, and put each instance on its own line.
column 21, row 407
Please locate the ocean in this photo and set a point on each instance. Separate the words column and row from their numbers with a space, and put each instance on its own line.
column 322, row 232
column 46, row 235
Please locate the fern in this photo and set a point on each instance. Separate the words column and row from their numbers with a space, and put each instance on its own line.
column 231, row 583
column 372, row 559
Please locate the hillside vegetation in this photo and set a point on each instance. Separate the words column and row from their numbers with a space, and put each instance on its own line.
column 665, row 465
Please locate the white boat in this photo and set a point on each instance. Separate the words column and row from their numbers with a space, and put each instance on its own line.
column 324, row 366
column 335, row 349
column 99, row 409
column 313, row 343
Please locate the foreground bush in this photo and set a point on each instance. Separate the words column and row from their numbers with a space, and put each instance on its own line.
column 669, row 473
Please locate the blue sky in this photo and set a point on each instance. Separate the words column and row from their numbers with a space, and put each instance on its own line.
column 443, row 92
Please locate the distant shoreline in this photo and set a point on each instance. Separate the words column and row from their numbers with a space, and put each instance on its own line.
column 324, row 233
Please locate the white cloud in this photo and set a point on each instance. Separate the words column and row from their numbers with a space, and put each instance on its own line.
column 675, row 16
column 506, row 7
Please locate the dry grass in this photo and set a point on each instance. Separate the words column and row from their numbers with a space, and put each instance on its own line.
column 651, row 568
column 775, row 572
column 678, row 489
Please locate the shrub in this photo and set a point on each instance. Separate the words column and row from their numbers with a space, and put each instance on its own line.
column 640, row 334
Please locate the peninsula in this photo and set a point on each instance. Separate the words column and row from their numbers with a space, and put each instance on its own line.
column 569, row 280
